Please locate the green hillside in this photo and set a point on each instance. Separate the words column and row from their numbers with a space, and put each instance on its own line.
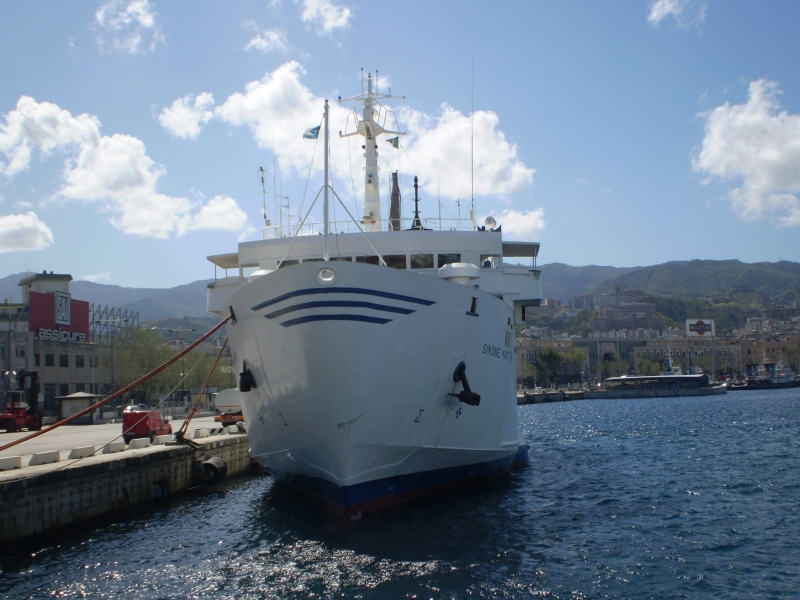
column 774, row 282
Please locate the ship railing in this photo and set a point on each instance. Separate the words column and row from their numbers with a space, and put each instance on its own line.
column 315, row 228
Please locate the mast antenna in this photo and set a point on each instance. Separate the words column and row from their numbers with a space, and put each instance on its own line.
column 472, row 131
column 264, row 196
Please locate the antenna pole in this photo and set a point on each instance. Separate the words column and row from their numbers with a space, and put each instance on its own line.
column 325, row 254
column 472, row 131
column 264, row 196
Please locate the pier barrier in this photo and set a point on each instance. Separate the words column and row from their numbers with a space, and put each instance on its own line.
column 139, row 443
column 44, row 458
column 160, row 440
column 8, row 463
column 118, row 446
column 82, row 452
column 200, row 433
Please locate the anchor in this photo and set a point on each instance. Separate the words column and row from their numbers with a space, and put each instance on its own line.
column 467, row 396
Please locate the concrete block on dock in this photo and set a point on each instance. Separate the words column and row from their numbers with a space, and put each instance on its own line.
column 118, row 446
column 231, row 429
column 200, row 433
column 7, row 463
column 45, row 458
column 139, row 443
column 82, row 452
column 160, row 440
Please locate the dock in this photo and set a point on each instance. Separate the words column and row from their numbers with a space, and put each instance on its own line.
column 47, row 490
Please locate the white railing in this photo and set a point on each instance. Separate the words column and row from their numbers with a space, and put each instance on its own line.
column 314, row 228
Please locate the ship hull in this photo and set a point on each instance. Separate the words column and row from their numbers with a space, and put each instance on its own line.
column 353, row 364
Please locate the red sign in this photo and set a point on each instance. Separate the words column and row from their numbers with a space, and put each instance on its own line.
column 42, row 317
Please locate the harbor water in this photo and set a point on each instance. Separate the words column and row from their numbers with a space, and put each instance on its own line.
column 650, row 498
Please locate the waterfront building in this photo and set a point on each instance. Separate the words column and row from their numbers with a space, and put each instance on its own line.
column 724, row 355
column 68, row 342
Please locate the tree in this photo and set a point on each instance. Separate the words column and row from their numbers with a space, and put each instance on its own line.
column 573, row 362
column 647, row 366
column 549, row 363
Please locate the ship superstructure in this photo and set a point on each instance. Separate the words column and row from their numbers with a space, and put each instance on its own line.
column 377, row 359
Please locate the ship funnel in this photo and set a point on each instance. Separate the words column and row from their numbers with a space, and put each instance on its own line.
column 394, row 207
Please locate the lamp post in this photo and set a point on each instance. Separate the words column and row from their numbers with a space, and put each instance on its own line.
column 182, row 329
column 111, row 336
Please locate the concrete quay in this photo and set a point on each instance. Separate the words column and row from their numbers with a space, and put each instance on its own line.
column 43, row 496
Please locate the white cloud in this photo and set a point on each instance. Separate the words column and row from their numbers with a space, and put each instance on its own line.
column 98, row 277
column 439, row 147
column 267, row 41
column 220, row 213
column 685, row 12
column 24, row 232
column 758, row 144
column 42, row 124
column 112, row 171
column 127, row 26
column 23, row 205
column 187, row 115
column 279, row 108
column 327, row 15
column 521, row 226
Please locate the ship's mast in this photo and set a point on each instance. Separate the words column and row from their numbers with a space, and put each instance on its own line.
column 370, row 125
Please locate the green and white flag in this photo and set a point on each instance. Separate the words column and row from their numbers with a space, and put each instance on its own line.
column 311, row 133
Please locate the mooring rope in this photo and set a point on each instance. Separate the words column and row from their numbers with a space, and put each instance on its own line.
column 124, row 390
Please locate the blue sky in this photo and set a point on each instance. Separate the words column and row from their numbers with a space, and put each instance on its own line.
column 615, row 133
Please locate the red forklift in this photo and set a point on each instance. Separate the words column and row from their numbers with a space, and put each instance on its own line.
column 22, row 410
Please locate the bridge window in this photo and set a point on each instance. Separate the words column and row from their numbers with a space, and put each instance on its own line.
column 395, row 261
column 422, row 261
column 446, row 259
column 491, row 261
column 288, row 263
column 370, row 260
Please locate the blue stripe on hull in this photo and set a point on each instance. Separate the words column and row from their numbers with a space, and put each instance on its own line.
column 342, row 290
column 404, row 487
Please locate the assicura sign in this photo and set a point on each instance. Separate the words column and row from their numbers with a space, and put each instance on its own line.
column 699, row 328
column 58, row 317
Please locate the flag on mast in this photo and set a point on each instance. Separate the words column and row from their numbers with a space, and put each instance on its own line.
column 311, row 133
column 395, row 141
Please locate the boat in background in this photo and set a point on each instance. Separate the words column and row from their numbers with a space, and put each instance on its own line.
column 768, row 376
column 377, row 359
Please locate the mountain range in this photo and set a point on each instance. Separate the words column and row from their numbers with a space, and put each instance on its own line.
column 762, row 283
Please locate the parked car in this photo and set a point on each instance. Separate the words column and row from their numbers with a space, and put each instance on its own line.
column 143, row 424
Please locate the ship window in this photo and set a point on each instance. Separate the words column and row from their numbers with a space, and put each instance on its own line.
column 395, row 261
column 446, row 259
column 347, row 258
column 288, row 263
column 370, row 260
column 491, row 261
column 305, row 260
column 422, row 261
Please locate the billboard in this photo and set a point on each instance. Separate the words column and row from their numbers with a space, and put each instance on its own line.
column 58, row 317
column 699, row 328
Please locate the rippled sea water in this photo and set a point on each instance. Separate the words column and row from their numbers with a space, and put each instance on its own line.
column 667, row 498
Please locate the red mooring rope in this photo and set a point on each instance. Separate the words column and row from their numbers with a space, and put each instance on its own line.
column 124, row 390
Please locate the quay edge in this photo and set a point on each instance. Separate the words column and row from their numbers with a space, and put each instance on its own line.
column 99, row 485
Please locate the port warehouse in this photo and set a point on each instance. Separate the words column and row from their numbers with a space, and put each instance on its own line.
column 45, row 497
column 68, row 342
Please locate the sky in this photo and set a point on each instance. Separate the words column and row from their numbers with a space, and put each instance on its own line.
column 624, row 133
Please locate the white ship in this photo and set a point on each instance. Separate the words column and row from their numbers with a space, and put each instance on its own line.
column 377, row 359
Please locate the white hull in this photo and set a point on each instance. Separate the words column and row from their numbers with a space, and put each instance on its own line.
column 352, row 377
